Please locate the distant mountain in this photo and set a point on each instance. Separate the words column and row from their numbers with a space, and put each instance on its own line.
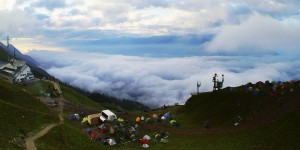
column 33, row 64
column 30, row 61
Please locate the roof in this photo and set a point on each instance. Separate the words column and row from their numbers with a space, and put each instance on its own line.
column 108, row 112
column 13, row 68
column 94, row 115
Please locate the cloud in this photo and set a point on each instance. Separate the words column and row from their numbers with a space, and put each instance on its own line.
column 261, row 34
column 159, row 81
column 136, row 18
column 10, row 25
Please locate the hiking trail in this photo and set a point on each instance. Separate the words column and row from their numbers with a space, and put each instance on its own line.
column 29, row 141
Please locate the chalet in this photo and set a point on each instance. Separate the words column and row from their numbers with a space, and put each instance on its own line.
column 15, row 71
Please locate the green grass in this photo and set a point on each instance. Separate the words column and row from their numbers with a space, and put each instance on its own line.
column 78, row 99
column 282, row 134
column 20, row 113
column 221, row 108
column 36, row 88
column 66, row 136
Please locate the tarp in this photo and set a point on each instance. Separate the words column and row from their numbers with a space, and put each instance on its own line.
column 94, row 119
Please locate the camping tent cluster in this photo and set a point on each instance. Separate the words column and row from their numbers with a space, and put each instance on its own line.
column 161, row 118
column 123, row 131
column 273, row 88
column 110, row 132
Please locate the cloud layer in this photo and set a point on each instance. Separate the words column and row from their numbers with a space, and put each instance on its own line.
column 159, row 81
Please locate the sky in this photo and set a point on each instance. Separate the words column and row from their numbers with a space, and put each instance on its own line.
column 154, row 51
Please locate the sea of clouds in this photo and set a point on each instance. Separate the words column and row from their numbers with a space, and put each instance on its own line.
column 159, row 81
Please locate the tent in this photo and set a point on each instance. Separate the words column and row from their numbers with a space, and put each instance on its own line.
column 154, row 116
column 84, row 119
column 120, row 120
column 74, row 117
column 88, row 131
column 167, row 116
column 94, row 119
column 111, row 142
column 138, row 119
column 174, row 123
column 148, row 120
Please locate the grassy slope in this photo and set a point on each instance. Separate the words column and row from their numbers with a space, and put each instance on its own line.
column 221, row 109
column 36, row 88
column 66, row 136
column 281, row 134
column 78, row 99
column 70, row 135
column 20, row 113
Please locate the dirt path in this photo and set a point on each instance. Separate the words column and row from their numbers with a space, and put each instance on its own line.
column 30, row 140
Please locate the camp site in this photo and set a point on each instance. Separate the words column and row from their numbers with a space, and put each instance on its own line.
column 150, row 74
column 265, row 110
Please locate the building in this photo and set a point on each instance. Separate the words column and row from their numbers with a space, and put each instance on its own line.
column 15, row 71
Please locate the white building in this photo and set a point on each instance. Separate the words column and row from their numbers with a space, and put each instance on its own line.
column 15, row 71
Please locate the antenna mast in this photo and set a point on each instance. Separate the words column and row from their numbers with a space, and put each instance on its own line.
column 198, row 85
column 7, row 48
